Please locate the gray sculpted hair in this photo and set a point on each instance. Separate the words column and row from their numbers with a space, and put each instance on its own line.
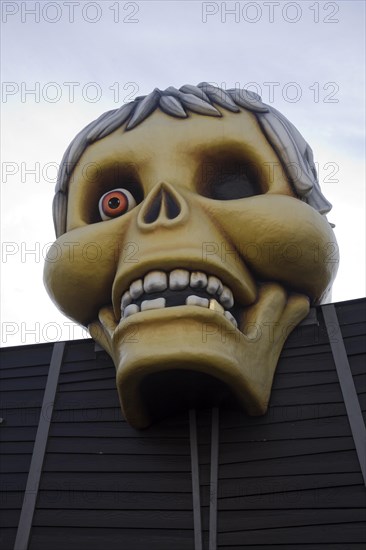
column 293, row 151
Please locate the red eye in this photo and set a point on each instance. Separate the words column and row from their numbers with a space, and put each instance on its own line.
column 115, row 203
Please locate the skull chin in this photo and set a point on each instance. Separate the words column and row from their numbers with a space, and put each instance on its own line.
column 195, row 346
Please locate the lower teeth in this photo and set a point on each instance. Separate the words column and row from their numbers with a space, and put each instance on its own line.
column 158, row 303
column 192, row 300
column 215, row 306
column 196, row 301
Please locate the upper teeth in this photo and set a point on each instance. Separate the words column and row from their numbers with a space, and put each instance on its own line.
column 154, row 281
column 136, row 289
column 178, row 279
column 214, row 285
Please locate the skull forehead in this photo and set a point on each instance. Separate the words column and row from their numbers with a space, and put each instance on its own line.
column 168, row 149
column 161, row 132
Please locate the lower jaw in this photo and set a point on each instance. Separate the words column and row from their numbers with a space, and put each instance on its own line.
column 189, row 356
column 168, row 360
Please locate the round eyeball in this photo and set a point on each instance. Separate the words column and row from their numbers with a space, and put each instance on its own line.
column 115, row 203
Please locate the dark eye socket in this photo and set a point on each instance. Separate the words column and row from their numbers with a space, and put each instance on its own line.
column 230, row 179
column 106, row 179
column 236, row 184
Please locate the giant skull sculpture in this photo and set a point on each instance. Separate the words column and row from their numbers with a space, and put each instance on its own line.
column 191, row 238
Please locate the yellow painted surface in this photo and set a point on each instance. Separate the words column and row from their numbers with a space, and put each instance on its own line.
column 272, row 250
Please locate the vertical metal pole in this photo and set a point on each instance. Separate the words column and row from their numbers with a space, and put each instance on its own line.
column 35, row 470
column 214, row 478
column 197, row 524
column 347, row 385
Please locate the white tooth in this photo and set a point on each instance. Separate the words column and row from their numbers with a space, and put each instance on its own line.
column 154, row 281
column 178, row 279
column 136, row 289
column 158, row 303
column 130, row 310
column 196, row 301
column 126, row 300
column 198, row 279
column 231, row 318
column 214, row 285
column 227, row 298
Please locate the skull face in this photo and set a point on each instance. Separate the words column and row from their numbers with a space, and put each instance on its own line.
column 190, row 259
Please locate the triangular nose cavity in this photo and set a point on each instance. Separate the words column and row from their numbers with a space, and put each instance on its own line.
column 172, row 208
column 163, row 203
column 153, row 211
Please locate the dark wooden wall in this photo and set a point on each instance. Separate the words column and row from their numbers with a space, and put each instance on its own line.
column 290, row 479
column 23, row 378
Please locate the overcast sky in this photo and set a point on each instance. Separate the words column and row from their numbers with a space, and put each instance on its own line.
column 65, row 63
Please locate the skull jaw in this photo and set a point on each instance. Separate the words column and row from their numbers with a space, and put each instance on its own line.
column 201, row 353
column 175, row 342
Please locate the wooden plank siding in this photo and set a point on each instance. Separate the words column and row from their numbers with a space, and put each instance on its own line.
column 289, row 479
column 147, row 503
column 23, row 376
